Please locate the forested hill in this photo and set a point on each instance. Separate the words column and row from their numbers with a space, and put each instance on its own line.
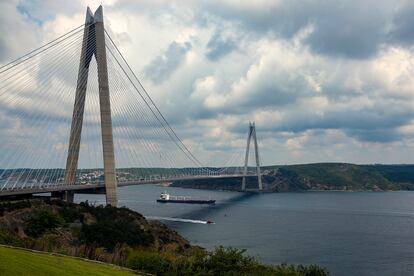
column 403, row 174
column 321, row 176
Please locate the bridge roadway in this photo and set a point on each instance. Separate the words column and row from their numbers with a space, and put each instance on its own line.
column 94, row 187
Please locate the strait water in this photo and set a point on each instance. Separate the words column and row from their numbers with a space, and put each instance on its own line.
column 348, row 233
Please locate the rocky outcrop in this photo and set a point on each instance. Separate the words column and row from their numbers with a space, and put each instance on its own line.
column 167, row 239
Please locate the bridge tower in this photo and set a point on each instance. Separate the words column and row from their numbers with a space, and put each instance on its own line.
column 93, row 45
column 252, row 133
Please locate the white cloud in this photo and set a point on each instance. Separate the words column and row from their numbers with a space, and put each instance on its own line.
column 310, row 103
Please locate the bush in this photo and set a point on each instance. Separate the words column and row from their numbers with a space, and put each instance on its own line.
column 228, row 260
column 312, row 270
column 9, row 238
column 71, row 214
column 9, row 206
column 41, row 222
column 114, row 227
column 222, row 261
column 151, row 262
column 300, row 270
column 108, row 234
column 48, row 242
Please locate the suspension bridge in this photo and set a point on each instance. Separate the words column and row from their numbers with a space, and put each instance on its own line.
column 92, row 132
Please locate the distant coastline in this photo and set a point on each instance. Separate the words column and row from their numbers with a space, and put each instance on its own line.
column 338, row 177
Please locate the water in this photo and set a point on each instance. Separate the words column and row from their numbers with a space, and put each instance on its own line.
column 348, row 233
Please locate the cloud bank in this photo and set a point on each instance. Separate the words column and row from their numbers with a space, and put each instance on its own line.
column 323, row 80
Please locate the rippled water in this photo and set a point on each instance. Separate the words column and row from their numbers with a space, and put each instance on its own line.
column 349, row 233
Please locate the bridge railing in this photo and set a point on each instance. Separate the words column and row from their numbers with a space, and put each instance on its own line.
column 61, row 186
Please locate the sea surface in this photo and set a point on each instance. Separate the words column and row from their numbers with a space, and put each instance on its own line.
column 360, row 233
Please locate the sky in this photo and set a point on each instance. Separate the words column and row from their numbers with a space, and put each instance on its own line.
column 324, row 81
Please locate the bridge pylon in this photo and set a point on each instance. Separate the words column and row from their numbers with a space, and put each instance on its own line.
column 252, row 133
column 93, row 45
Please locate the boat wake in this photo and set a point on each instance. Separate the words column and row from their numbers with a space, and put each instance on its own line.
column 177, row 219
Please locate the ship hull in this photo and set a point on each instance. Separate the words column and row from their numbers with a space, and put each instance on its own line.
column 189, row 201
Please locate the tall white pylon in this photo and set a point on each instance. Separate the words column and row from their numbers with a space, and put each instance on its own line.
column 93, row 44
column 252, row 133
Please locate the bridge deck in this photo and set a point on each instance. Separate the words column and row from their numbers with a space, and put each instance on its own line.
column 48, row 188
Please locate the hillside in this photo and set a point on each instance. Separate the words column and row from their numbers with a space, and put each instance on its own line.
column 337, row 176
column 21, row 262
column 99, row 233
column 319, row 176
column 112, row 235
column 401, row 174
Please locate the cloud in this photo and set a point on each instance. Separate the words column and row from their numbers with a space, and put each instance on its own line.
column 164, row 65
column 324, row 81
column 219, row 46
column 343, row 30
column 45, row 10
column 402, row 22
column 350, row 29
column 16, row 32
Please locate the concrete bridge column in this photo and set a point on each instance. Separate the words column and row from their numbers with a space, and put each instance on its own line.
column 67, row 196
column 93, row 44
column 252, row 134
column 105, row 107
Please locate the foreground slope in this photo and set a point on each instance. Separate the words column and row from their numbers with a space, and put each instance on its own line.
column 20, row 262
column 113, row 235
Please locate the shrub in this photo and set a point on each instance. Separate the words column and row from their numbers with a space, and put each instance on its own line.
column 41, row 222
column 9, row 206
column 300, row 270
column 71, row 214
column 222, row 261
column 312, row 270
column 151, row 262
column 10, row 238
column 48, row 241
column 109, row 233
column 232, row 261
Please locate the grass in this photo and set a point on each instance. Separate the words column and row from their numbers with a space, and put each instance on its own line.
column 21, row 262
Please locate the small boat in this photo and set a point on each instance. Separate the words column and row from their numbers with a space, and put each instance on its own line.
column 167, row 198
column 210, row 222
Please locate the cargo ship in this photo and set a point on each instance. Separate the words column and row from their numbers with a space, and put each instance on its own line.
column 167, row 198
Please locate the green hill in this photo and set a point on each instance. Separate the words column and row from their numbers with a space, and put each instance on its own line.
column 20, row 262
column 402, row 174
column 319, row 176
column 339, row 176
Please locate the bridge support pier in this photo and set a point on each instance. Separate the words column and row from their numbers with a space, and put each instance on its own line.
column 252, row 133
column 93, row 44
column 67, row 196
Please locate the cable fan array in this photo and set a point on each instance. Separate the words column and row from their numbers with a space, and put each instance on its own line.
column 37, row 95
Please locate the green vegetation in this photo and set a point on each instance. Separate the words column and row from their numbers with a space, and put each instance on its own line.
column 41, row 222
column 113, row 227
column 222, row 261
column 8, row 206
column 114, row 235
column 319, row 176
column 99, row 233
column 338, row 176
column 401, row 174
column 10, row 238
column 19, row 262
